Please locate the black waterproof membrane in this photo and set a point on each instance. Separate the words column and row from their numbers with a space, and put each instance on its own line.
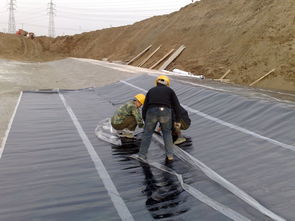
column 240, row 164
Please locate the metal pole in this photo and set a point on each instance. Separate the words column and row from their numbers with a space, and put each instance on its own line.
column 11, row 20
column 51, row 27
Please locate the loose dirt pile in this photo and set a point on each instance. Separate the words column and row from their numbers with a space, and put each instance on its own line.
column 249, row 37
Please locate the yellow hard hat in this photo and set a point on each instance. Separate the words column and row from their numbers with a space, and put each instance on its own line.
column 163, row 80
column 140, row 98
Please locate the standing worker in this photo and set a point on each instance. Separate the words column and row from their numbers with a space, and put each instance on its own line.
column 160, row 101
column 128, row 117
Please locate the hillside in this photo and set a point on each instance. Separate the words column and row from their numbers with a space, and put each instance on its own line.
column 249, row 37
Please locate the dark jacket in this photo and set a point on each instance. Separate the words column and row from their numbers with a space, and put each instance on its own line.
column 184, row 118
column 162, row 95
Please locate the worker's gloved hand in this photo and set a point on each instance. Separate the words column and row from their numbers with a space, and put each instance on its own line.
column 177, row 125
column 140, row 125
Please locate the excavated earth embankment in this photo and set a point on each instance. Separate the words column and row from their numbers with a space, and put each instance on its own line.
column 246, row 36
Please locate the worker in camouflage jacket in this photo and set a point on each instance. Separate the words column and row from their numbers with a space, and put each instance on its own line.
column 128, row 117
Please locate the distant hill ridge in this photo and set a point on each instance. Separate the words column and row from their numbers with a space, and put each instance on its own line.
column 249, row 37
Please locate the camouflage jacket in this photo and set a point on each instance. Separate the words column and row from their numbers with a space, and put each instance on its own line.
column 128, row 109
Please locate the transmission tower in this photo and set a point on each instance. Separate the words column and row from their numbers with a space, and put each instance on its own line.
column 11, row 21
column 51, row 12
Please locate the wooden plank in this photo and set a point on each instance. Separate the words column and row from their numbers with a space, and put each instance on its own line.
column 223, row 80
column 259, row 79
column 145, row 60
column 139, row 55
column 162, row 59
column 226, row 73
column 172, row 57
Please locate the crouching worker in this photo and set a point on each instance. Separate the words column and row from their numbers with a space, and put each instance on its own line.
column 128, row 117
column 184, row 124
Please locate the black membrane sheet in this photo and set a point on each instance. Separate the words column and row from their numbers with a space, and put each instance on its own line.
column 46, row 171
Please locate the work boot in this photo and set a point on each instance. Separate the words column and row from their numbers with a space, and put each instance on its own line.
column 128, row 135
column 179, row 140
column 169, row 158
column 138, row 157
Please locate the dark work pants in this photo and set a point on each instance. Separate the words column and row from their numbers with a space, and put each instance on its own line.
column 153, row 116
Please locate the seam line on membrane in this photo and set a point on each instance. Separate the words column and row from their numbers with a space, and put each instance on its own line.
column 194, row 84
column 224, row 123
column 118, row 202
column 229, row 91
column 216, row 177
column 10, row 124
column 228, row 212
column 222, row 181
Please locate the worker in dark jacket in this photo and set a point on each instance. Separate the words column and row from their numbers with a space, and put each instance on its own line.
column 160, row 101
column 185, row 123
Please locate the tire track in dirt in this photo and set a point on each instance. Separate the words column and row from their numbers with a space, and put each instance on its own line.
column 24, row 46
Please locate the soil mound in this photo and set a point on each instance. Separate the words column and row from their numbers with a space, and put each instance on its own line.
column 247, row 36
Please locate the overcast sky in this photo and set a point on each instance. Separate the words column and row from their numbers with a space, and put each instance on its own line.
column 76, row 16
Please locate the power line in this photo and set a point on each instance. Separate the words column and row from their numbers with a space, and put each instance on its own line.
column 114, row 19
column 105, row 15
column 120, row 8
column 120, row 3
column 51, row 28
column 11, row 20
column 112, row 12
column 32, row 18
column 44, row 26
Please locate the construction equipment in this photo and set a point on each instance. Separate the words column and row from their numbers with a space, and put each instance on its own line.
column 31, row 35
column 24, row 33
column 21, row 32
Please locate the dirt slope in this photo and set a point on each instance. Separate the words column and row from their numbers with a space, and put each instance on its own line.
column 249, row 37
